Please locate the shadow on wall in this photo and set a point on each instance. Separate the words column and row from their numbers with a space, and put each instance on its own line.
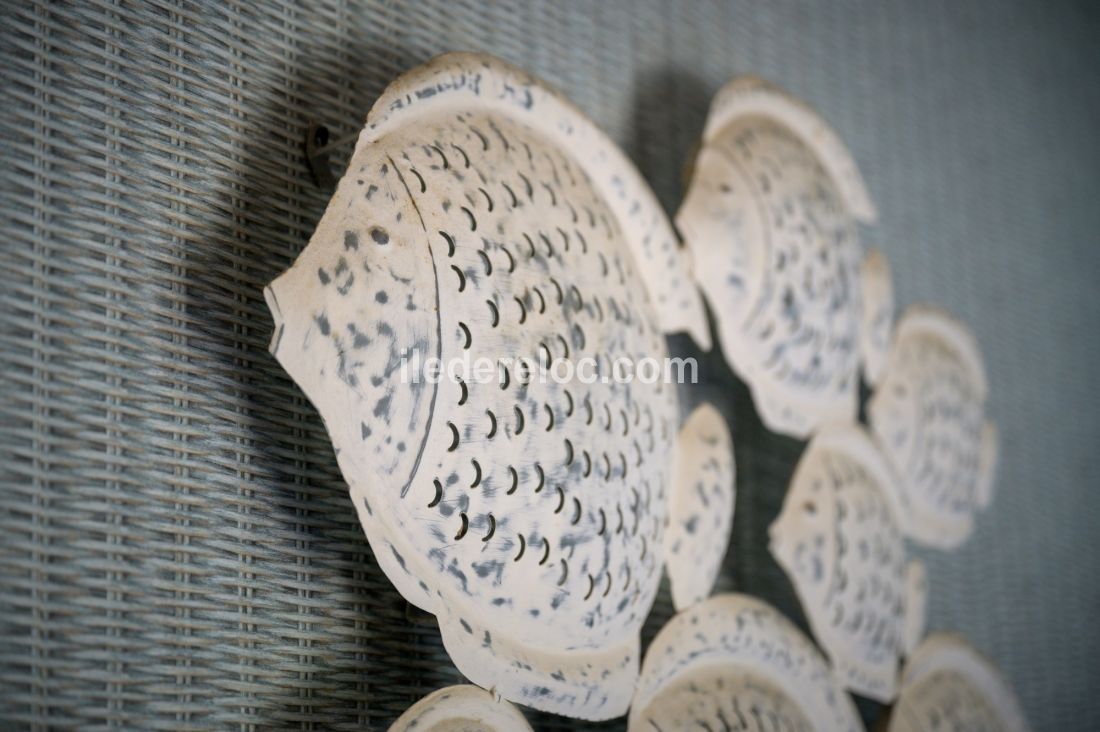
column 670, row 109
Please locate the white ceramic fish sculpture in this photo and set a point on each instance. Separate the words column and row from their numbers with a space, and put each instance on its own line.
column 839, row 540
column 461, row 708
column 928, row 415
column 734, row 662
column 483, row 218
column 949, row 685
column 770, row 221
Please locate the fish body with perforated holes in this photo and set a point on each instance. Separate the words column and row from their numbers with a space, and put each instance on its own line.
column 483, row 219
column 928, row 415
column 839, row 540
column 733, row 662
column 770, row 218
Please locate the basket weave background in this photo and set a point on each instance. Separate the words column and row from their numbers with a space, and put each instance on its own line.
column 177, row 549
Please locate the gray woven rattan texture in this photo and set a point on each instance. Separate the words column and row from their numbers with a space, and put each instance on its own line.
column 177, row 550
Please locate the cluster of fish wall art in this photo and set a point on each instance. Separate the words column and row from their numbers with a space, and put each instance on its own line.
column 482, row 217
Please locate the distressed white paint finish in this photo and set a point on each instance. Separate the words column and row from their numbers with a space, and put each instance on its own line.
column 839, row 540
column 733, row 662
column 462, row 708
column 916, row 610
column 877, row 324
column 949, row 685
column 928, row 415
column 482, row 215
column 496, row 87
column 701, row 514
column 770, row 219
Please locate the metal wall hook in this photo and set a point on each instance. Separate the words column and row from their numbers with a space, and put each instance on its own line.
column 317, row 148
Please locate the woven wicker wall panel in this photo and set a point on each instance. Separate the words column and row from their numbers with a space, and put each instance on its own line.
column 179, row 550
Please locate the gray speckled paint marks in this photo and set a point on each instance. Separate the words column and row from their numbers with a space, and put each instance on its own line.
column 733, row 662
column 498, row 283
column 461, row 709
column 344, row 353
column 947, row 684
column 477, row 221
column 661, row 265
column 839, row 540
column 541, row 465
column 725, row 699
column 770, row 220
column 928, row 415
column 701, row 512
